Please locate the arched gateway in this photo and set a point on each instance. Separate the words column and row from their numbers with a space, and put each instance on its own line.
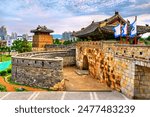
column 85, row 63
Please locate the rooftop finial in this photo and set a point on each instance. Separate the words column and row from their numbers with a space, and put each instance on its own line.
column 146, row 25
column 116, row 12
column 38, row 27
column 45, row 27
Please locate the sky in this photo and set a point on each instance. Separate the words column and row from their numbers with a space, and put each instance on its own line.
column 67, row 15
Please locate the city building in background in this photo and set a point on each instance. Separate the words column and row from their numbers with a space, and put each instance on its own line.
column 25, row 36
column 11, row 39
column 10, row 42
column 13, row 35
column 3, row 33
column 8, row 37
column 30, row 38
column 68, row 36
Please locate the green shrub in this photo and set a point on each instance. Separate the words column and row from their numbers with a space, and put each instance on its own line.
column 147, row 42
column 141, row 39
column 131, row 41
column 148, row 38
column 20, row 89
column 124, row 39
column 2, row 88
column 3, row 73
column 9, row 70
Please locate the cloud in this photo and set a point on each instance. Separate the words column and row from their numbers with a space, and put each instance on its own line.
column 143, row 6
column 12, row 19
column 77, row 22
column 146, row 35
column 141, row 19
column 67, row 15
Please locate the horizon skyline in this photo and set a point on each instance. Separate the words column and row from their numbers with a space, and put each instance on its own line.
column 67, row 15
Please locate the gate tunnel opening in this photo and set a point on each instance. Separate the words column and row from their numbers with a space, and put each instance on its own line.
column 85, row 63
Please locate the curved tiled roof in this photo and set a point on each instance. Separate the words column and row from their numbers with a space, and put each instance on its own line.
column 143, row 29
column 91, row 28
column 95, row 25
column 42, row 29
column 107, row 27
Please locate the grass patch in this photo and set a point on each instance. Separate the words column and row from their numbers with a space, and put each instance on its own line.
column 2, row 88
column 5, row 58
column 9, row 70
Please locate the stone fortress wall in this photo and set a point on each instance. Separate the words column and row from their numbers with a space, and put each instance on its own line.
column 54, row 48
column 41, row 69
column 135, row 67
column 125, row 68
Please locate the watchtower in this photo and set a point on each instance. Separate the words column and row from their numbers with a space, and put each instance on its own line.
column 41, row 37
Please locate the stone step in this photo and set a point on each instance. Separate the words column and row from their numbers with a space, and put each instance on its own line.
column 82, row 72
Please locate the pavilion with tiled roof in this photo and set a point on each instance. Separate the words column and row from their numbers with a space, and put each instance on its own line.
column 41, row 37
column 103, row 30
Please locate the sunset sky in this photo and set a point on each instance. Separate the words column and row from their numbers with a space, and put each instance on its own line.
column 67, row 15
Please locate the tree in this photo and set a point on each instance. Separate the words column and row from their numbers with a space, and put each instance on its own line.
column 148, row 38
column 3, row 49
column 78, row 39
column 21, row 46
column 8, row 49
column 57, row 42
column 67, row 42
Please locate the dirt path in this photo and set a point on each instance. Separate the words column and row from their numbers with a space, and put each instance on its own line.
column 77, row 82
column 11, row 87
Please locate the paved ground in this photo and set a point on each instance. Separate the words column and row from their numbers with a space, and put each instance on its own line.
column 76, row 82
column 114, row 95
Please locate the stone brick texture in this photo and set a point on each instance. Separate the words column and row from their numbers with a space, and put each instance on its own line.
column 41, row 69
column 115, row 64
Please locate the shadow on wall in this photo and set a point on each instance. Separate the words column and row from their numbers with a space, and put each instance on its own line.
column 85, row 63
